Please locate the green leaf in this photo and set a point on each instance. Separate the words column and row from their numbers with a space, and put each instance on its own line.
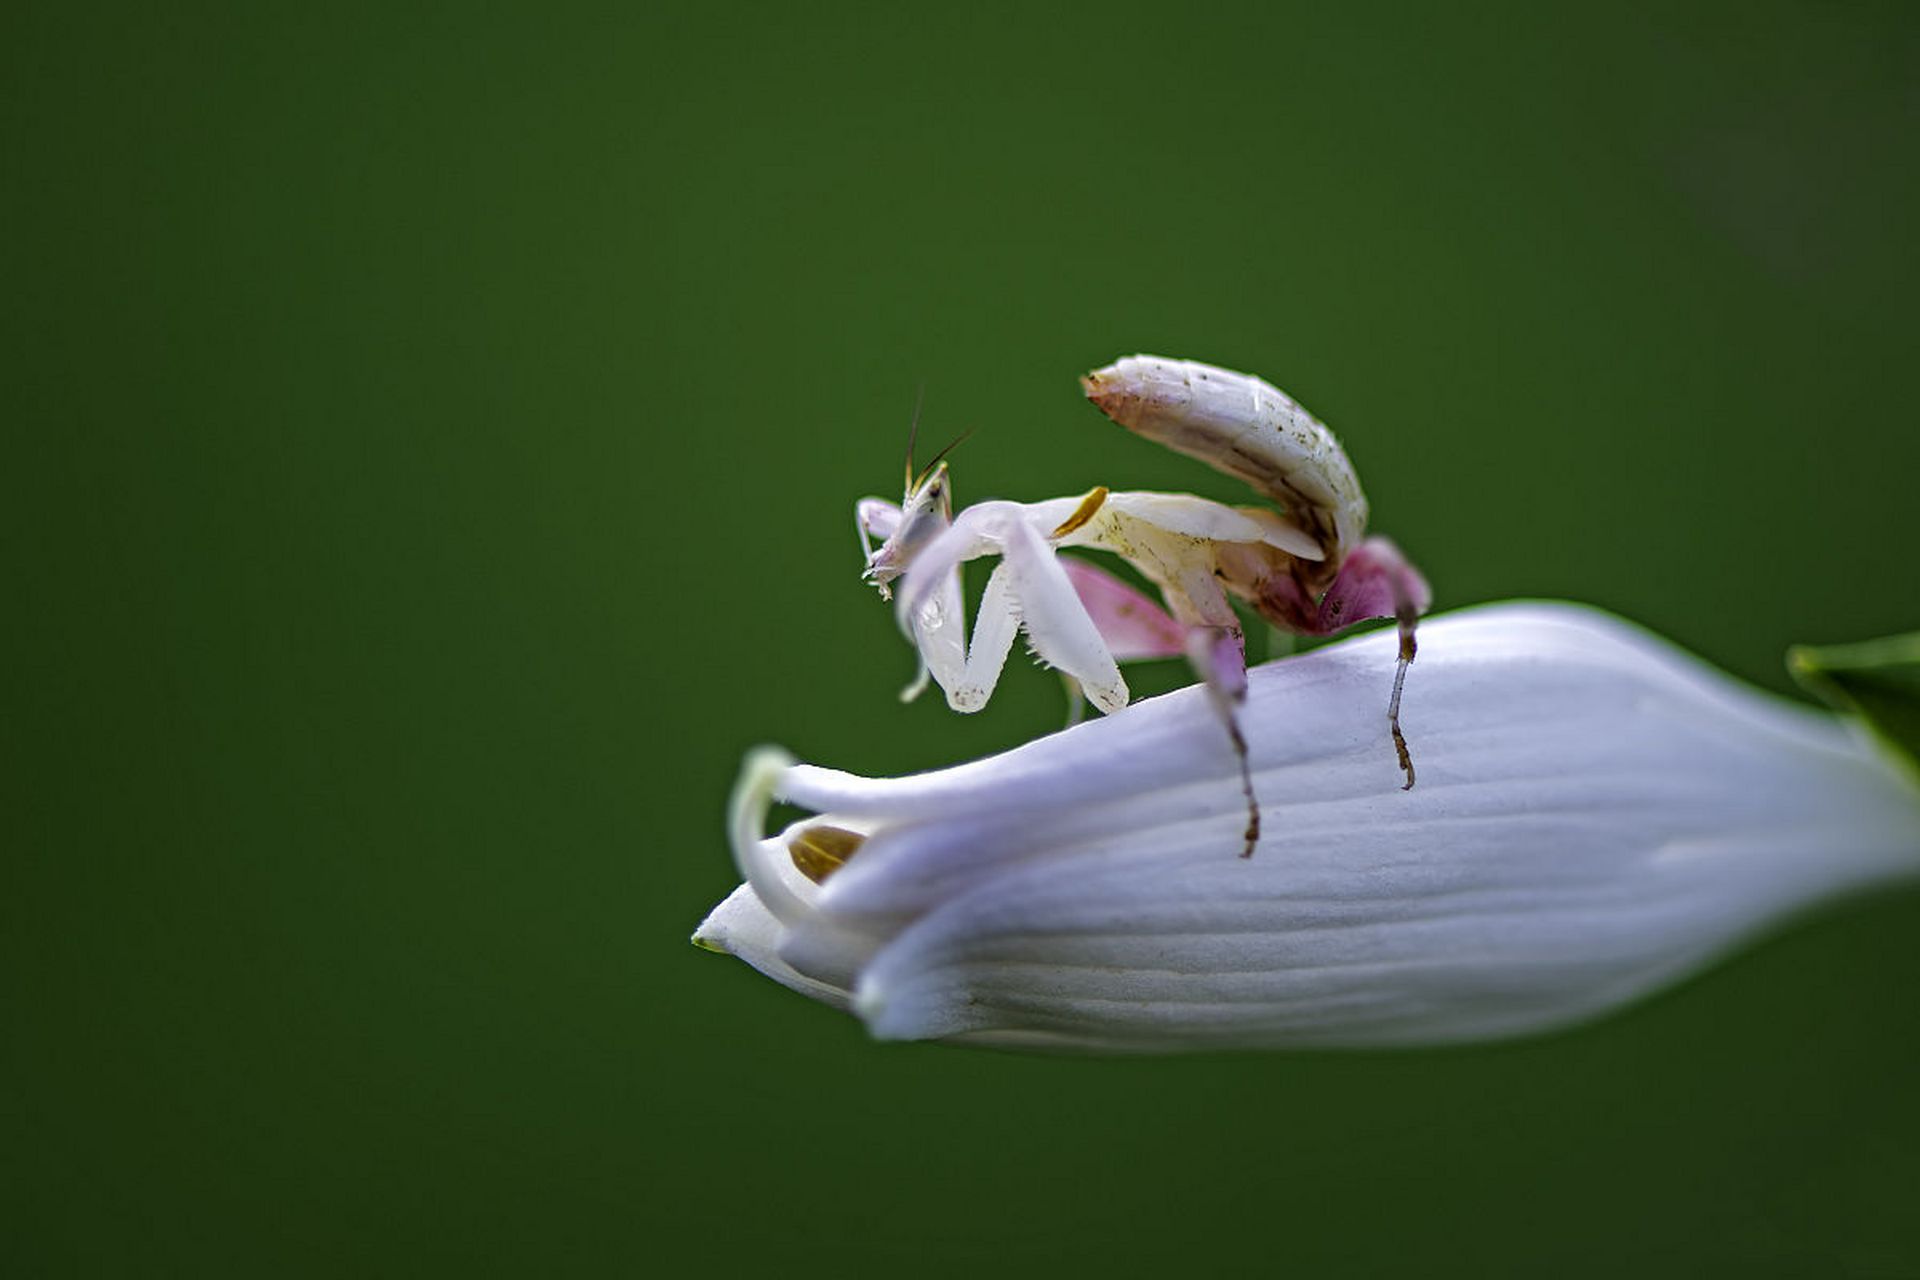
column 1877, row 680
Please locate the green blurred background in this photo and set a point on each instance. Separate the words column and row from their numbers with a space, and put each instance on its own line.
column 434, row 432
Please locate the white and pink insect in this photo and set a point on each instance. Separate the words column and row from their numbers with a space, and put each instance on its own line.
column 1308, row 570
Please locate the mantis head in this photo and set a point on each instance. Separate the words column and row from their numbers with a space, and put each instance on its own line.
column 925, row 513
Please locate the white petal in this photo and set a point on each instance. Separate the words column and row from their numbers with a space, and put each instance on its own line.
column 1597, row 814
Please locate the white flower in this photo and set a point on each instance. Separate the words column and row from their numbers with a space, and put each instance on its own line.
column 1598, row 814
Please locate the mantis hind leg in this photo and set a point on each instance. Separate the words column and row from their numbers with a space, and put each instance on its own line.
column 1219, row 654
column 1378, row 582
column 994, row 627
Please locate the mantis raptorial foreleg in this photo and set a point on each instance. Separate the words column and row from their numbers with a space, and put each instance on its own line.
column 1375, row 581
column 1028, row 591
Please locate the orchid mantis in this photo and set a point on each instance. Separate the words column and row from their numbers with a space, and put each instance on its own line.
column 1306, row 571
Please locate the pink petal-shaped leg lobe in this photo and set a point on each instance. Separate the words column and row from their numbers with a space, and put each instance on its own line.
column 1131, row 623
column 1376, row 581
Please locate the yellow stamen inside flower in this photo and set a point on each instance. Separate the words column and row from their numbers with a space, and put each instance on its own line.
column 820, row 851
